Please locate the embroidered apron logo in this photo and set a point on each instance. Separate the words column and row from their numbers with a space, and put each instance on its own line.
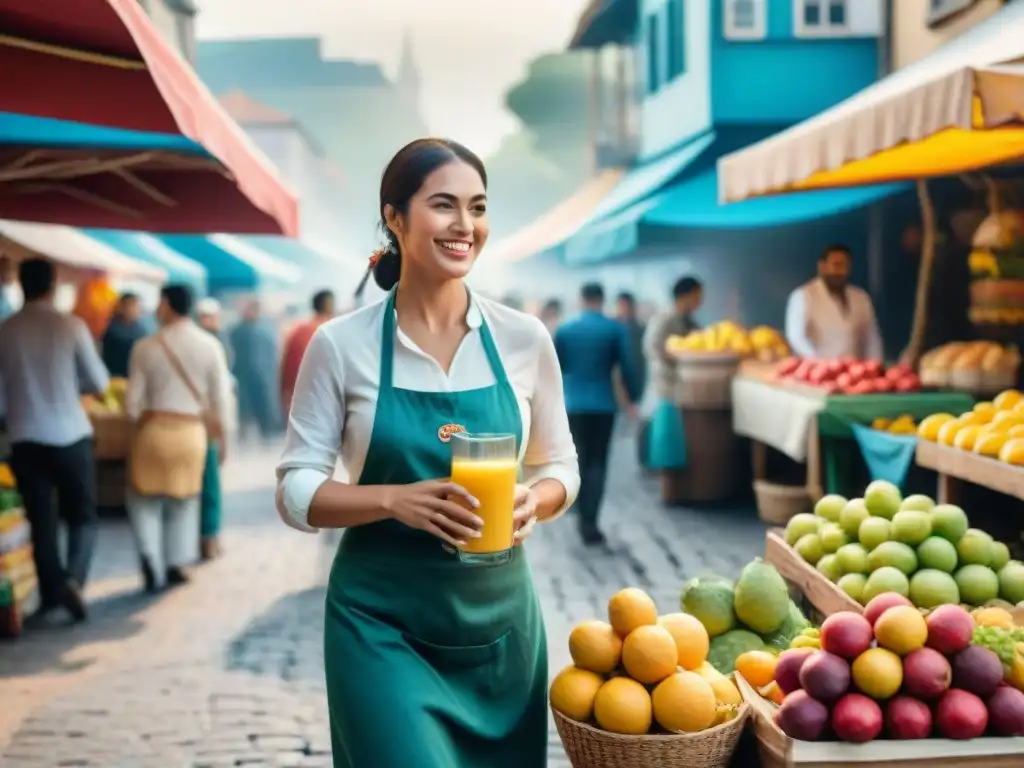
column 444, row 434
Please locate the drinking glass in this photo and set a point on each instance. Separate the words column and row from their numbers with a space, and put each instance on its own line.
column 486, row 465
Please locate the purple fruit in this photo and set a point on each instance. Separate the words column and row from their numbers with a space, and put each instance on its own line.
column 977, row 670
column 1006, row 711
column 801, row 717
column 825, row 676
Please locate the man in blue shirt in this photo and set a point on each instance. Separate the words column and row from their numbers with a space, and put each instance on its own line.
column 589, row 349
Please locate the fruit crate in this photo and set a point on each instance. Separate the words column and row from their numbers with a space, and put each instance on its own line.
column 822, row 594
column 777, row 750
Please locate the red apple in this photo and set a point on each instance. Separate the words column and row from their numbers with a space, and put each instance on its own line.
column 873, row 368
column 787, row 366
column 843, row 381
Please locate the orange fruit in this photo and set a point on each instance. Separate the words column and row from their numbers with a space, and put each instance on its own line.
column 773, row 693
column 631, row 608
column 757, row 667
column 649, row 654
column 623, row 706
column 692, row 641
column 684, row 703
column 573, row 692
column 594, row 645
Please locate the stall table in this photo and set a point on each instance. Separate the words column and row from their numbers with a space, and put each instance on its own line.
column 812, row 427
column 955, row 466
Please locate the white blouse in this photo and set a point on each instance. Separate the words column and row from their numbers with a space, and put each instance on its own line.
column 335, row 398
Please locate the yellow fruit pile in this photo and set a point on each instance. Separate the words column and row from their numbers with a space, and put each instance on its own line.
column 901, row 425
column 762, row 342
column 994, row 429
column 639, row 671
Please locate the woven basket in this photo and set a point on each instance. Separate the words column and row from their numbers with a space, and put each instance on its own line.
column 704, row 380
column 968, row 381
column 994, row 382
column 776, row 504
column 590, row 747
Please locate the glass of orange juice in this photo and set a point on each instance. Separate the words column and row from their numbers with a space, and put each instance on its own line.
column 486, row 465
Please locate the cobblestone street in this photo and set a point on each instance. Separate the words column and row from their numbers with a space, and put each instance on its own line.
column 227, row 670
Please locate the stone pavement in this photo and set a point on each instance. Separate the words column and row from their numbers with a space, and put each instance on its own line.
column 227, row 671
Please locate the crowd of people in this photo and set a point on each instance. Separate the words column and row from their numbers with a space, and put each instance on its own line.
column 189, row 385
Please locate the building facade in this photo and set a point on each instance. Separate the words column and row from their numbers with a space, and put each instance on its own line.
column 175, row 20
column 920, row 27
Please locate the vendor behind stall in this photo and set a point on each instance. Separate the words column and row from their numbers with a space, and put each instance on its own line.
column 664, row 443
column 126, row 328
column 828, row 317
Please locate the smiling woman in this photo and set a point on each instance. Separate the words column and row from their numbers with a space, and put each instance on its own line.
column 416, row 633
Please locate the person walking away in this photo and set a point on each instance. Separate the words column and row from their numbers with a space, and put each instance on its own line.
column 828, row 317
column 11, row 297
column 551, row 315
column 125, row 328
column 453, row 651
column 626, row 313
column 48, row 359
column 665, row 446
column 590, row 348
column 254, row 351
column 179, row 395
column 298, row 340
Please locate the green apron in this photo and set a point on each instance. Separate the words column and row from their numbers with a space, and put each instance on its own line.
column 432, row 662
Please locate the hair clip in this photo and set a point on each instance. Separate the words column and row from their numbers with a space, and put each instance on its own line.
column 376, row 256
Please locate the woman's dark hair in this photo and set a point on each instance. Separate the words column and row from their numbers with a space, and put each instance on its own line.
column 402, row 179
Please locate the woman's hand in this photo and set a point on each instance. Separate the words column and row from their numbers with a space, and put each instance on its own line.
column 439, row 507
column 525, row 516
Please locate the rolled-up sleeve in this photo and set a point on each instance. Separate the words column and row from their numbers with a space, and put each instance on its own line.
column 550, row 452
column 315, row 423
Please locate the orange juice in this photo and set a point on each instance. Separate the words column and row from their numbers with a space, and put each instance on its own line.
column 493, row 483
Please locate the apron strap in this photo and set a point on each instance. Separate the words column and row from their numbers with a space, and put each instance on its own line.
column 387, row 344
column 387, row 348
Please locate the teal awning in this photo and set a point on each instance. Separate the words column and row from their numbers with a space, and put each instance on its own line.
column 693, row 203
column 292, row 251
column 151, row 250
column 612, row 228
column 26, row 130
column 233, row 264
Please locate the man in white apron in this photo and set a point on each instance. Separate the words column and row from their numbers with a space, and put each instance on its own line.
column 827, row 317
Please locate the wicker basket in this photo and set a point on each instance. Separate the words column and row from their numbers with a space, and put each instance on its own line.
column 934, row 377
column 590, row 747
column 968, row 381
column 704, row 380
column 994, row 382
column 776, row 503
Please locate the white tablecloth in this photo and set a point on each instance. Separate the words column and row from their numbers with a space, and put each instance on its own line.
column 774, row 416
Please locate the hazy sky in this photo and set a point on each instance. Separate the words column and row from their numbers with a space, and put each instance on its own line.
column 469, row 51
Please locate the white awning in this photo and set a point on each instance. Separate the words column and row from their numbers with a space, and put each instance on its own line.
column 912, row 104
column 72, row 248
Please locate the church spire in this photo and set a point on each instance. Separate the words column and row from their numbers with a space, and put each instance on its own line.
column 408, row 73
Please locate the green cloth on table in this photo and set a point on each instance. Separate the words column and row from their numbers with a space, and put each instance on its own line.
column 889, row 457
column 841, row 454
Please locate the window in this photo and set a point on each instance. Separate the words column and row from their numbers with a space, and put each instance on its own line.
column 653, row 54
column 745, row 20
column 940, row 11
column 676, row 24
column 820, row 17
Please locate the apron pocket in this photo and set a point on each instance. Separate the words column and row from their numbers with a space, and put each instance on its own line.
column 461, row 658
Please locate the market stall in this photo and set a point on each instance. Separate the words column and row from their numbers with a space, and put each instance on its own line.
column 705, row 364
column 103, row 63
column 827, row 431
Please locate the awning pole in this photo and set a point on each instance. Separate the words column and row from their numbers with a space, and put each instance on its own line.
column 915, row 349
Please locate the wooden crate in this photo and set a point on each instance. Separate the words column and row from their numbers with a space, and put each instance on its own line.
column 955, row 466
column 777, row 750
column 821, row 593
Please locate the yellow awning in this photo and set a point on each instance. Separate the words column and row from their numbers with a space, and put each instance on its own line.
column 956, row 110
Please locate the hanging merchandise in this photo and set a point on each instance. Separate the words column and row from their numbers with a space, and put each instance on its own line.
column 95, row 304
column 19, row 593
column 997, row 263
